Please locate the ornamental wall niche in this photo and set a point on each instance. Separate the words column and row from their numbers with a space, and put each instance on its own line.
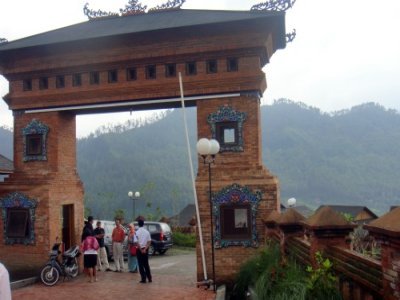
column 227, row 127
column 35, row 141
column 18, row 214
column 235, row 211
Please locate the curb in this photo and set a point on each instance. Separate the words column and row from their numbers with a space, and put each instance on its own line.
column 221, row 291
column 24, row 282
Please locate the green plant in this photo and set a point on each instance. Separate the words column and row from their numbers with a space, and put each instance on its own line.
column 322, row 283
column 252, row 269
column 264, row 276
column 184, row 239
column 281, row 282
column 269, row 278
column 119, row 214
column 364, row 243
column 348, row 217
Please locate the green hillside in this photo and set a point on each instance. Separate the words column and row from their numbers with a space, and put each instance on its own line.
column 350, row 157
column 151, row 159
column 347, row 157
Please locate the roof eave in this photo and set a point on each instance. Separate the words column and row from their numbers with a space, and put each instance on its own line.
column 280, row 40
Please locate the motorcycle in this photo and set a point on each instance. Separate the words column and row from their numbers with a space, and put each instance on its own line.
column 53, row 269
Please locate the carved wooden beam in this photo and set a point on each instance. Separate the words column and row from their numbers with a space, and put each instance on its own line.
column 93, row 14
column 171, row 4
column 290, row 36
column 133, row 7
column 274, row 5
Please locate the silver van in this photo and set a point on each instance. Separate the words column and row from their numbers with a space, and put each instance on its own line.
column 108, row 229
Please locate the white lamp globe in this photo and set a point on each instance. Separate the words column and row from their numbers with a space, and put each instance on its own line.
column 203, row 146
column 137, row 194
column 214, row 147
column 291, row 202
column 130, row 194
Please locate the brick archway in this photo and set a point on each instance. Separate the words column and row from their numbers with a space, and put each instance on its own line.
column 131, row 63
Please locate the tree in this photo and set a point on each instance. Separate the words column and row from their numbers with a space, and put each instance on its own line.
column 119, row 214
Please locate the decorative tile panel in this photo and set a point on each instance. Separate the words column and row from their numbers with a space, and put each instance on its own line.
column 19, row 200
column 227, row 114
column 35, row 127
column 235, row 194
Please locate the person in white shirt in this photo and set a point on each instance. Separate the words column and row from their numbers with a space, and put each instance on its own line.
column 5, row 290
column 144, row 241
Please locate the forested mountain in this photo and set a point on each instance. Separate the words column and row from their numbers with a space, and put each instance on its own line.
column 151, row 159
column 6, row 140
column 348, row 157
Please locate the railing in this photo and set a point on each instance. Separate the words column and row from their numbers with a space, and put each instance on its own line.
column 360, row 277
column 299, row 249
column 365, row 271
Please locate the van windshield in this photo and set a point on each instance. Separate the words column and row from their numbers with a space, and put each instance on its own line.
column 165, row 227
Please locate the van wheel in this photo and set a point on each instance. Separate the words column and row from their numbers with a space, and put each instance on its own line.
column 162, row 252
column 151, row 250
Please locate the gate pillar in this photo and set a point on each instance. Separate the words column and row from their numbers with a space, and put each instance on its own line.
column 45, row 180
column 243, row 190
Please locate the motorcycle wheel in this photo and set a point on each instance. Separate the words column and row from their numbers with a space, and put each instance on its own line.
column 74, row 269
column 49, row 275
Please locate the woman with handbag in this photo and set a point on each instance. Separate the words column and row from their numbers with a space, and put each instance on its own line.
column 132, row 243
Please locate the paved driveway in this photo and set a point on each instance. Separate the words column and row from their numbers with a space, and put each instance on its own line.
column 173, row 278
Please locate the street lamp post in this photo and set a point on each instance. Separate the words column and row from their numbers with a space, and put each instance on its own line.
column 208, row 149
column 134, row 197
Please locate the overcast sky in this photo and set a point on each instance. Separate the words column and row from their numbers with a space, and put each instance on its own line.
column 346, row 51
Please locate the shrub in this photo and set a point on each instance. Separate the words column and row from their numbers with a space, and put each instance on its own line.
column 322, row 283
column 266, row 277
column 270, row 278
column 184, row 239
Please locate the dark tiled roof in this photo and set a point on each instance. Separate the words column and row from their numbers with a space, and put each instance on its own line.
column 302, row 209
column 6, row 165
column 290, row 216
column 184, row 217
column 154, row 21
column 352, row 210
column 273, row 216
column 164, row 220
column 327, row 217
column 389, row 223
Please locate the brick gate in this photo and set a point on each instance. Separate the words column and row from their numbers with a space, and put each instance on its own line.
column 126, row 63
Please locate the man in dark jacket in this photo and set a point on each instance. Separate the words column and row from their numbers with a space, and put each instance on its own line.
column 88, row 229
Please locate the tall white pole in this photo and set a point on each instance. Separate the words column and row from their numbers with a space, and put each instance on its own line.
column 193, row 179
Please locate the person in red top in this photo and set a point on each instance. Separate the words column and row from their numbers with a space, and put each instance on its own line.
column 118, row 237
column 89, row 248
